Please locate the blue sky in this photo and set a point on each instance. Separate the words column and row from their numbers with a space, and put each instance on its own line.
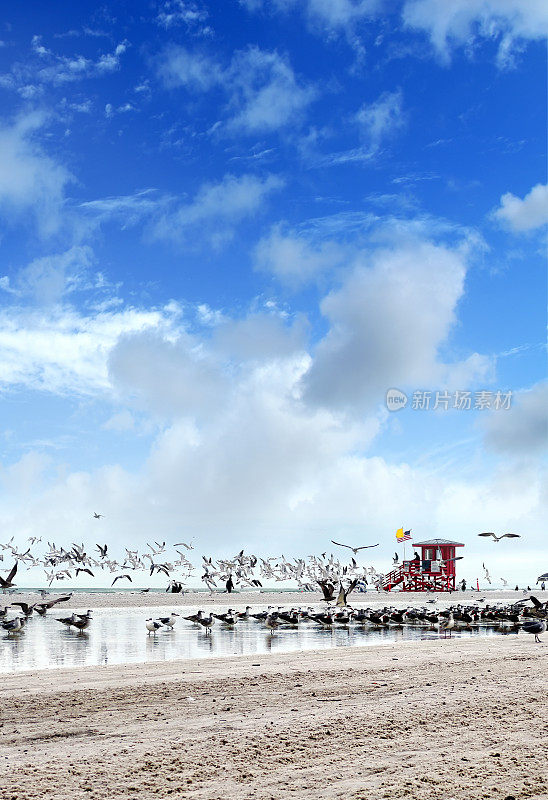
column 228, row 229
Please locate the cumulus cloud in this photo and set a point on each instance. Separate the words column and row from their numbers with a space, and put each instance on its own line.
column 294, row 257
column 266, row 94
column 263, row 93
column 522, row 430
column 461, row 22
column 524, row 215
column 386, row 324
column 259, row 337
column 194, row 71
column 171, row 377
column 217, row 207
column 30, row 180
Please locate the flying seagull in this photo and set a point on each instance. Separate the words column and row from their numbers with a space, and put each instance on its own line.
column 7, row 583
column 343, row 593
column 355, row 550
column 504, row 536
column 117, row 578
column 328, row 590
column 97, row 516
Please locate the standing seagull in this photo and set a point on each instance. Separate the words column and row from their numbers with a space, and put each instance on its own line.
column 498, row 538
column 447, row 625
column 152, row 626
column 536, row 627
column 355, row 550
column 13, row 625
column 170, row 621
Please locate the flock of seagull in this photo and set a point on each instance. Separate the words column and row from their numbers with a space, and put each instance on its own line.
column 242, row 570
column 510, row 618
column 64, row 563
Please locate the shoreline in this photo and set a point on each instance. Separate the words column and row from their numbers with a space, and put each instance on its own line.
column 128, row 599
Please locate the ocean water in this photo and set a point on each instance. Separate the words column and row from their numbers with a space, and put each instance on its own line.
column 119, row 636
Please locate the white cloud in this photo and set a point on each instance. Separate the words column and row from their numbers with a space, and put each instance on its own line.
column 527, row 214
column 266, row 94
column 30, row 180
column 195, row 71
column 171, row 377
column 48, row 279
column 381, row 119
column 262, row 89
column 259, row 337
column 522, row 430
column 386, row 325
column 217, row 207
column 461, row 22
column 174, row 13
column 67, row 69
column 324, row 15
column 63, row 351
column 295, row 258
column 121, row 422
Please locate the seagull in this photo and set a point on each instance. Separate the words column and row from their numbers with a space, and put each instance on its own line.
column 81, row 621
column 504, row 536
column 117, row 578
column 25, row 608
column 152, row 626
column 206, row 622
column 7, row 583
column 447, row 625
column 13, row 625
column 341, row 599
column 271, row 622
column 534, row 626
column 328, row 590
column 355, row 550
column 97, row 516
column 170, row 621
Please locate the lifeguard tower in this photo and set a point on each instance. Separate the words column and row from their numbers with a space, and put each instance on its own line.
column 434, row 571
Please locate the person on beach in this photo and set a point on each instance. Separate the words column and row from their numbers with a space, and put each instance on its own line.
column 542, row 587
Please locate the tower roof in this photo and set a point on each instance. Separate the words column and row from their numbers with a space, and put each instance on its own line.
column 438, row 541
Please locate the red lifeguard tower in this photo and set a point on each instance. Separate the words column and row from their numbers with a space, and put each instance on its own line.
column 434, row 571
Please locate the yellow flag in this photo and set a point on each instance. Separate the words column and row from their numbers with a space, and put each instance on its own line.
column 399, row 534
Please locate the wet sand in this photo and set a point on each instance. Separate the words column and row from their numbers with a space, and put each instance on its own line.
column 459, row 719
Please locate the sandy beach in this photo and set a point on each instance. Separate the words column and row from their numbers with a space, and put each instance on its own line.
column 459, row 719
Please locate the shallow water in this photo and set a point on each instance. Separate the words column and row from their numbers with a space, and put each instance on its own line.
column 119, row 636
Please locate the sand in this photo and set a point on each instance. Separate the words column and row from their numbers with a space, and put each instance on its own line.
column 459, row 719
